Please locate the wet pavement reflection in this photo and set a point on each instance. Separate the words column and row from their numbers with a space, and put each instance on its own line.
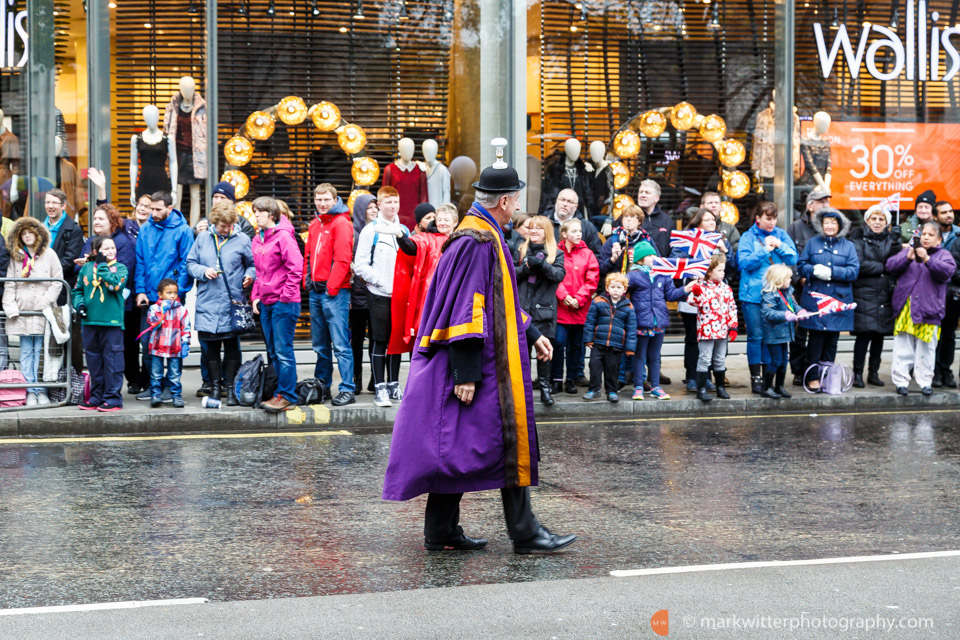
column 235, row 519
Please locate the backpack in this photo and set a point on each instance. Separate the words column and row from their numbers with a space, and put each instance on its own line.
column 310, row 391
column 13, row 397
column 835, row 378
column 248, row 384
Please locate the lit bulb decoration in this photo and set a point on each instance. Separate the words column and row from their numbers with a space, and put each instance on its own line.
column 260, row 125
column 365, row 171
column 736, row 184
column 713, row 128
column 352, row 138
column 621, row 175
column 627, row 144
column 239, row 180
column 325, row 116
column 245, row 210
column 238, row 151
column 683, row 116
column 732, row 153
column 729, row 213
column 356, row 193
column 652, row 124
column 621, row 202
column 292, row 110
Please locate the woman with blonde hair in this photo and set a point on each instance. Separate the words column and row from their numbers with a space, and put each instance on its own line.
column 540, row 270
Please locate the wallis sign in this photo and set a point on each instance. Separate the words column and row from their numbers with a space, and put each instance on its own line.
column 917, row 55
column 11, row 30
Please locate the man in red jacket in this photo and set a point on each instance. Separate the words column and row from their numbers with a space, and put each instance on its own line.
column 326, row 276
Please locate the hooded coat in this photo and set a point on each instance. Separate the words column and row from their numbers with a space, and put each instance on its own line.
column 279, row 265
column 580, row 280
column 30, row 296
column 329, row 249
column 924, row 283
column 162, row 249
column 537, row 282
column 358, row 290
column 214, row 310
column 198, row 130
column 754, row 259
column 873, row 290
column 840, row 255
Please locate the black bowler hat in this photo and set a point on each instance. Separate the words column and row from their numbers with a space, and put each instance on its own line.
column 496, row 180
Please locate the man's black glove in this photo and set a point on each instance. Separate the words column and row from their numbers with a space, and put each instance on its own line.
column 82, row 311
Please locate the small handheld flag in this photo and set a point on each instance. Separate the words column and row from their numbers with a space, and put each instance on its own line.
column 828, row 304
column 699, row 244
column 680, row 268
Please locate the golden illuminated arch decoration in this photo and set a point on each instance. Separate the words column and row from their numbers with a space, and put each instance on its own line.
column 292, row 111
column 626, row 144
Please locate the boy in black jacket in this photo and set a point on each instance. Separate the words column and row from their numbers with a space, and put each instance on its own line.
column 611, row 330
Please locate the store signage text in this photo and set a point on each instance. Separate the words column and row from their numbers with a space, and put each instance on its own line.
column 12, row 29
column 919, row 55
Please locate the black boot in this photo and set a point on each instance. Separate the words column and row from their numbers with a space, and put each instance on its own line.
column 216, row 389
column 858, row 378
column 937, row 378
column 768, row 391
column 756, row 381
column 230, row 373
column 873, row 378
column 702, row 387
column 719, row 378
column 545, row 396
column 779, row 378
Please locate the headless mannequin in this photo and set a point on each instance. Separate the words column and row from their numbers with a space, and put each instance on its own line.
column 816, row 152
column 187, row 92
column 568, row 172
column 602, row 178
column 438, row 176
column 152, row 135
column 761, row 162
column 408, row 179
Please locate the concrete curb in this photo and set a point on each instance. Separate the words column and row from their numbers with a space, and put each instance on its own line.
column 167, row 421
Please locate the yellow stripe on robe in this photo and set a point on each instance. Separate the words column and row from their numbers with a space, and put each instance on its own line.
column 513, row 352
column 474, row 326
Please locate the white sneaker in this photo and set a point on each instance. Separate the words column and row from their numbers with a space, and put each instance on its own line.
column 382, row 398
column 31, row 399
column 42, row 398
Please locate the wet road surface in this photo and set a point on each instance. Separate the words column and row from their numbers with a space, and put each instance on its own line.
column 256, row 518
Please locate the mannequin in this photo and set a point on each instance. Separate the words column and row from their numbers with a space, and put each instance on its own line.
column 186, row 107
column 602, row 178
column 68, row 180
column 463, row 170
column 153, row 150
column 761, row 163
column 568, row 171
column 816, row 152
column 438, row 176
column 9, row 160
column 408, row 179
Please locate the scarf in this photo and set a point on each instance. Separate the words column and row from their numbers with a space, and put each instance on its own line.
column 28, row 262
column 96, row 280
column 55, row 228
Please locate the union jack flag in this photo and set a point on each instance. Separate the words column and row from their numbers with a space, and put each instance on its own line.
column 828, row 304
column 679, row 268
column 698, row 243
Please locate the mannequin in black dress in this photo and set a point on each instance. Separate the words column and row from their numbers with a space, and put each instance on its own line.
column 150, row 152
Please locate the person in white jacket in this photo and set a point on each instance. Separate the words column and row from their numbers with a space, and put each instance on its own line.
column 374, row 262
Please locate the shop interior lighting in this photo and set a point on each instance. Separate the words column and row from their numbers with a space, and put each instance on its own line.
column 895, row 18
column 714, row 24
column 192, row 8
column 835, row 23
column 358, row 14
column 242, row 9
column 447, row 12
column 271, row 9
column 315, row 10
column 112, row 5
column 583, row 11
column 403, row 11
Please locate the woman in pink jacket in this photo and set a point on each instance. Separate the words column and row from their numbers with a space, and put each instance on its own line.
column 276, row 296
column 573, row 303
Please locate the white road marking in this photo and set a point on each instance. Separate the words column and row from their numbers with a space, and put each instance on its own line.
column 626, row 573
column 134, row 604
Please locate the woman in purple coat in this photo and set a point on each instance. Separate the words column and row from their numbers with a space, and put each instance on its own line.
column 919, row 303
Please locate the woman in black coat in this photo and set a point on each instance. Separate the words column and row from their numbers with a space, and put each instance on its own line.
column 539, row 266
column 873, row 290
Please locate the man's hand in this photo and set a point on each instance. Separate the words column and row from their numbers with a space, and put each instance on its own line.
column 247, row 281
column 544, row 349
column 255, row 305
column 143, row 300
column 210, row 273
column 464, row 392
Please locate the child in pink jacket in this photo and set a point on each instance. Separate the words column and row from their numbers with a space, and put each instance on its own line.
column 716, row 324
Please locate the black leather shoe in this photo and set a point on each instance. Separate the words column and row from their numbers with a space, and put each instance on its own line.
column 873, row 378
column 460, row 542
column 858, row 379
column 582, row 381
column 937, row 379
column 546, row 397
column 664, row 380
column 948, row 380
column 570, row 387
column 543, row 542
column 556, row 387
column 204, row 390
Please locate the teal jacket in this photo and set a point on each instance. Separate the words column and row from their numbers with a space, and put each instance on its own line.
column 100, row 288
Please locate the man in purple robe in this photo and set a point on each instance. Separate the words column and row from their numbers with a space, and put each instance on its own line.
column 466, row 422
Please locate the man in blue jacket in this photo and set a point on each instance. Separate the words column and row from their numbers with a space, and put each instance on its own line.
column 162, row 248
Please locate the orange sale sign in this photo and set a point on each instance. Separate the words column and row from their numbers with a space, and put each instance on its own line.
column 872, row 160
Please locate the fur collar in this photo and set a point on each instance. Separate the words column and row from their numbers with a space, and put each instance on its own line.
column 15, row 246
column 817, row 222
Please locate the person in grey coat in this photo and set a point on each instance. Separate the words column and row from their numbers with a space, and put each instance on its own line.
column 221, row 261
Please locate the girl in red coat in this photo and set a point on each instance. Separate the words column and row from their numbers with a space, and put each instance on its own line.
column 573, row 303
column 716, row 323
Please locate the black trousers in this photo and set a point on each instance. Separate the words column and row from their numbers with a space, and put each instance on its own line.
column 604, row 362
column 822, row 347
column 359, row 323
column 443, row 514
column 948, row 336
column 872, row 340
column 136, row 373
column 691, row 350
column 798, row 352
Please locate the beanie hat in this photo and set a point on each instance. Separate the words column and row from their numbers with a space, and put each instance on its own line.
column 226, row 189
column 927, row 196
column 423, row 209
column 642, row 250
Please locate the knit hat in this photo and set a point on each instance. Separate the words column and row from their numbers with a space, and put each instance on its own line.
column 927, row 196
column 423, row 209
column 226, row 189
column 642, row 250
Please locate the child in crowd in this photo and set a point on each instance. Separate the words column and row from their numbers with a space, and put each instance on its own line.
column 716, row 323
column 649, row 293
column 99, row 301
column 610, row 331
column 779, row 311
column 170, row 323
column 580, row 279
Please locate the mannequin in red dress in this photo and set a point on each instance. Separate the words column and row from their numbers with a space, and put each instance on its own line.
column 409, row 180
